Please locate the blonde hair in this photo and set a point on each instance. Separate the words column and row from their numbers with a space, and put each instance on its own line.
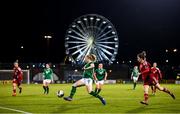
column 92, row 57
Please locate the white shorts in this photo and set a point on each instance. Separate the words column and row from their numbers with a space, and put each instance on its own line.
column 135, row 79
column 46, row 81
column 99, row 82
column 86, row 81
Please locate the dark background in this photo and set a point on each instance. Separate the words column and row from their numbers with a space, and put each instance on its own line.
column 150, row 25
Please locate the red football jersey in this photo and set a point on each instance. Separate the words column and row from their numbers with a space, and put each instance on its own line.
column 155, row 72
column 145, row 69
column 18, row 74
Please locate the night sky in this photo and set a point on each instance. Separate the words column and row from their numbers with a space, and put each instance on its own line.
column 150, row 25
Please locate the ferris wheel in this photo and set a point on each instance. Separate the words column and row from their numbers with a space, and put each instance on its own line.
column 91, row 34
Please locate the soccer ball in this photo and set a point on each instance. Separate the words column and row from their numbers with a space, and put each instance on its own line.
column 60, row 93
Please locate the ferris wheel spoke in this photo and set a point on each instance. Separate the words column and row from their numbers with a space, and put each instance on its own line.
column 79, row 50
column 84, row 52
column 99, row 55
column 106, row 51
column 104, row 34
column 77, row 38
column 105, row 46
column 101, row 32
column 78, row 46
column 82, row 32
column 106, row 38
column 104, row 55
column 77, row 33
column 75, row 42
column 107, row 42
column 100, row 26
column 83, row 27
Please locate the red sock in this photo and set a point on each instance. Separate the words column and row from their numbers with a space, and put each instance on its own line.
column 145, row 97
column 14, row 91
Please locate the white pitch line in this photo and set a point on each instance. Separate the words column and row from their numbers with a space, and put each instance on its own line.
column 15, row 110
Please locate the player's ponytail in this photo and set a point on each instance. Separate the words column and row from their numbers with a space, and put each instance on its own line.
column 142, row 55
column 93, row 57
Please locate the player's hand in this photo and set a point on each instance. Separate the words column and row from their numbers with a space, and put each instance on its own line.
column 139, row 73
column 105, row 79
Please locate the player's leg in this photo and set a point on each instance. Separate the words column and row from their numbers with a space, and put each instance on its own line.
column 97, row 86
column 146, row 87
column 14, row 89
column 101, row 83
column 47, row 87
column 152, row 88
column 135, row 81
column 20, row 87
column 73, row 90
column 44, row 86
column 164, row 90
column 89, row 90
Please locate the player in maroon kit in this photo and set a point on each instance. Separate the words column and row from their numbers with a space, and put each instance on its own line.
column 155, row 73
column 17, row 78
column 145, row 72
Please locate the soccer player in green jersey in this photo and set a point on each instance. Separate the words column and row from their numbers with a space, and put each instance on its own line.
column 47, row 78
column 135, row 75
column 87, row 79
column 100, row 76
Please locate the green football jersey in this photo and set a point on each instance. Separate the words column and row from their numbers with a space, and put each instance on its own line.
column 47, row 73
column 100, row 73
column 88, row 73
column 135, row 73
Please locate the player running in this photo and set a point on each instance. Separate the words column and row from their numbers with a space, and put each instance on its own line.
column 100, row 76
column 47, row 78
column 145, row 72
column 156, row 73
column 17, row 78
column 87, row 79
column 135, row 76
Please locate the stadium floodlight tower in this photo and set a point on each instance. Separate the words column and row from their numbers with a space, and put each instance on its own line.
column 91, row 34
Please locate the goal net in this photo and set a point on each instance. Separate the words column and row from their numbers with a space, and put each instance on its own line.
column 7, row 75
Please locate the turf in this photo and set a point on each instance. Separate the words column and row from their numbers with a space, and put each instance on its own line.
column 120, row 99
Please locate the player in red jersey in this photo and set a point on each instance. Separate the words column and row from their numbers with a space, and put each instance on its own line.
column 155, row 73
column 17, row 78
column 145, row 72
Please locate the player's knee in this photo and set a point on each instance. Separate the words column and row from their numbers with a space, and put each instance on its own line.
column 74, row 85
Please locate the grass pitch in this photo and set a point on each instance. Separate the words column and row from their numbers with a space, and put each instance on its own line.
column 120, row 98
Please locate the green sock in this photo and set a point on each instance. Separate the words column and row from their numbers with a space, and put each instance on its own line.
column 134, row 85
column 99, row 90
column 44, row 89
column 73, row 91
column 95, row 95
column 47, row 89
column 95, row 90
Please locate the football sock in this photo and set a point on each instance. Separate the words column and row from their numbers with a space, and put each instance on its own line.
column 145, row 97
column 73, row 91
column 14, row 90
column 95, row 95
column 20, row 89
column 134, row 85
column 47, row 89
column 95, row 90
column 99, row 90
column 44, row 89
